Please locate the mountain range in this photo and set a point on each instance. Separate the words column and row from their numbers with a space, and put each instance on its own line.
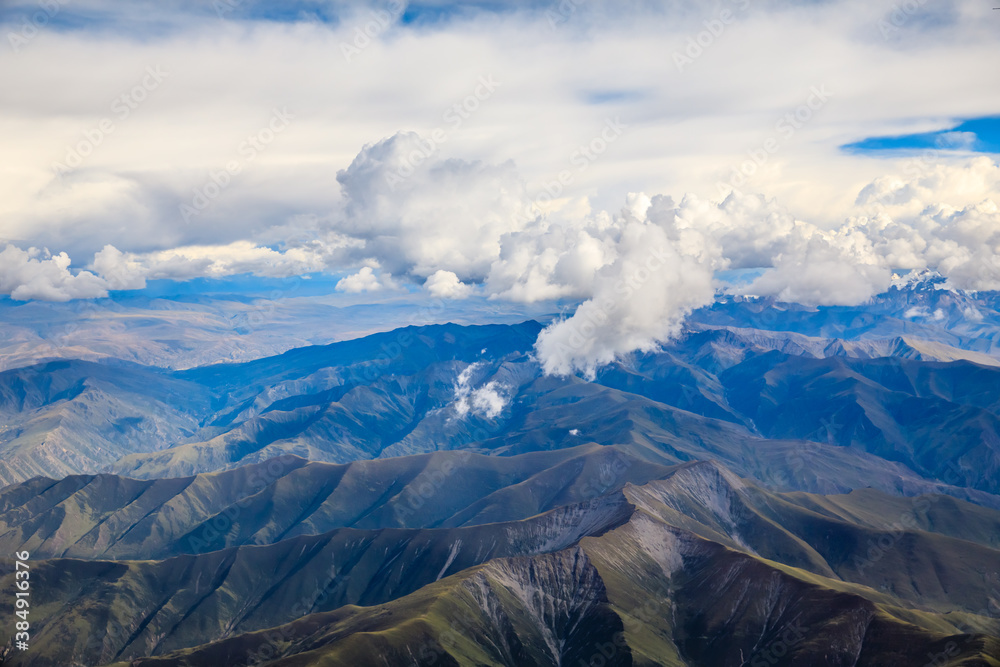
column 780, row 485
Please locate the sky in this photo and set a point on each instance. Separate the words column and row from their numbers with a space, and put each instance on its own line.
column 619, row 154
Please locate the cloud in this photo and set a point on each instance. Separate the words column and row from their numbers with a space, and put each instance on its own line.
column 488, row 400
column 118, row 270
column 364, row 280
column 34, row 274
column 687, row 130
column 418, row 211
column 126, row 270
column 446, row 285
column 468, row 206
column 639, row 300
column 823, row 276
column 958, row 140
column 937, row 216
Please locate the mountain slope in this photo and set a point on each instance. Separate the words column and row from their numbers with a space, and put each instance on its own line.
column 718, row 607
column 732, row 558
column 67, row 417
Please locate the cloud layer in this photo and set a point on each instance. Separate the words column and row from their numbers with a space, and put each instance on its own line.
column 505, row 171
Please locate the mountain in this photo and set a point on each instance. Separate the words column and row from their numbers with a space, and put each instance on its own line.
column 920, row 306
column 694, row 399
column 119, row 518
column 692, row 567
column 66, row 417
column 779, row 485
column 792, row 421
column 181, row 325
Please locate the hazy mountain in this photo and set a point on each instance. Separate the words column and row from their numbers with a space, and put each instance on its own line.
column 179, row 325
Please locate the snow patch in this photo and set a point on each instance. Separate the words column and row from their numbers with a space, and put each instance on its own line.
column 452, row 554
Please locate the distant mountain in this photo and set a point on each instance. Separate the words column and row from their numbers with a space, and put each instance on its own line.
column 66, row 417
column 920, row 307
column 771, row 409
column 197, row 323
column 691, row 566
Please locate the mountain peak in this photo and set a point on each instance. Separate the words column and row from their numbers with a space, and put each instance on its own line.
column 920, row 280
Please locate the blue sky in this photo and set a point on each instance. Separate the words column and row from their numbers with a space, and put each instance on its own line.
column 97, row 14
column 980, row 135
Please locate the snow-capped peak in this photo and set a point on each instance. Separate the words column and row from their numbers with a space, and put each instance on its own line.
column 922, row 279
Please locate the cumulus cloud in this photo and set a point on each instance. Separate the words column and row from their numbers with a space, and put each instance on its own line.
column 457, row 226
column 639, row 300
column 446, row 285
column 364, row 280
column 823, row 275
column 35, row 274
column 553, row 259
column 120, row 271
column 937, row 216
column 419, row 212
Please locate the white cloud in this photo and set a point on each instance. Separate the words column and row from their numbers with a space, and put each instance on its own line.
column 127, row 270
column 118, row 270
column 364, row 280
column 938, row 216
column 815, row 267
column 823, row 276
column 958, row 140
column 686, row 130
column 446, row 285
column 488, row 400
column 638, row 301
column 436, row 213
column 34, row 274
